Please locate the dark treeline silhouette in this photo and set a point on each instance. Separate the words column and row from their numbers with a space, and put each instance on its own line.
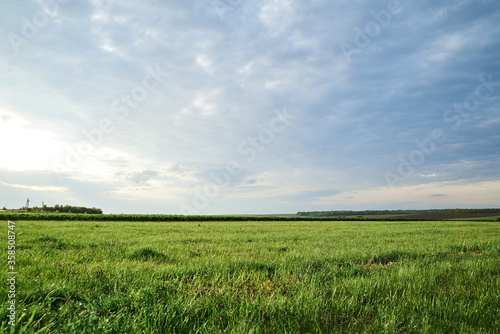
column 176, row 218
column 396, row 212
column 66, row 209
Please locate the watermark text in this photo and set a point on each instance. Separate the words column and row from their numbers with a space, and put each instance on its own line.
column 11, row 272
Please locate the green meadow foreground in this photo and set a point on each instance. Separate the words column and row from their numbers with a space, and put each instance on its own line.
column 255, row 277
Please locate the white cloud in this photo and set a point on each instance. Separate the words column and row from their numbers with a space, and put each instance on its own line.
column 458, row 193
column 35, row 187
column 277, row 15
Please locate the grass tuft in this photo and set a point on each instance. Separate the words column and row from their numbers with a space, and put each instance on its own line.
column 147, row 254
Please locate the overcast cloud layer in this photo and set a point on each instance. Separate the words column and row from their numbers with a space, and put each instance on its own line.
column 231, row 106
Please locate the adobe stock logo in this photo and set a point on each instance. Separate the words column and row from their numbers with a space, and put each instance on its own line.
column 121, row 108
column 225, row 7
column 249, row 149
column 455, row 116
column 363, row 37
column 31, row 27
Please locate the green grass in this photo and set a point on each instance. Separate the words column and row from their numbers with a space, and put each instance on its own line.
column 255, row 277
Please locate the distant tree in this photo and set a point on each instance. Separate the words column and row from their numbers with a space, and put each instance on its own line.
column 75, row 209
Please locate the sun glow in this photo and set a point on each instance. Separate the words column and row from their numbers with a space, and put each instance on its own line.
column 23, row 146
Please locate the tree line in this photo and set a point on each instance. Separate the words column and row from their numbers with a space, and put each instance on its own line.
column 63, row 209
column 173, row 218
column 395, row 212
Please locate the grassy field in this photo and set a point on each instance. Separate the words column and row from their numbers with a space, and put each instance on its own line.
column 255, row 277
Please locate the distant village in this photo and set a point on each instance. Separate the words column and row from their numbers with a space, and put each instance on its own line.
column 54, row 209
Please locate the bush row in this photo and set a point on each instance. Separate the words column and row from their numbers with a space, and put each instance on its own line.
column 162, row 218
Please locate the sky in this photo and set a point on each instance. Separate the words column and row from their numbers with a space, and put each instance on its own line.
column 235, row 107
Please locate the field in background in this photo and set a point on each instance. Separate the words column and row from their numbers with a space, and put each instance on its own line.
column 264, row 277
column 485, row 217
column 493, row 218
column 426, row 214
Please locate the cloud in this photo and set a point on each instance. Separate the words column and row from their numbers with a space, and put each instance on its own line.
column 310, row 196
column 35, row 188
column 458, row 193
column 143, row 176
